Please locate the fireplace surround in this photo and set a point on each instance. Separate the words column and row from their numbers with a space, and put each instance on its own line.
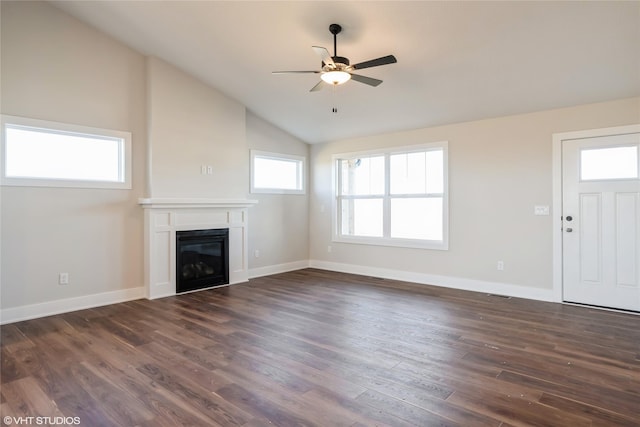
column 165, row 217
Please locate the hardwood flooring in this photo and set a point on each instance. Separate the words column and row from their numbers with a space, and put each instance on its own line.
column 328, row 349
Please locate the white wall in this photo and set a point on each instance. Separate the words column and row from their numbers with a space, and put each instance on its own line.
column 190, row 125
column 279, row 223
column 56, row 68
column 498, row 170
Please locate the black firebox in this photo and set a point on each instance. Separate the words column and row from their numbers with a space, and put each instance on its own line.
column 202, row 259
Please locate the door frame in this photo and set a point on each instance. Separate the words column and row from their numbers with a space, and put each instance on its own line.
column 556, row 210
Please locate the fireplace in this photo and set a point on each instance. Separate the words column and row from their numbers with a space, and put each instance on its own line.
column 202, row 259
column 165, row 217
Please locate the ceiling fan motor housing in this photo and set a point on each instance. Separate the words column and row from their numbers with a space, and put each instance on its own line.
column 340, row 63
column 341, row 60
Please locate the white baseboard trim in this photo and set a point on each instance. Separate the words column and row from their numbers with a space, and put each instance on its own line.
column 33, row 311
column 495, row 288
column 278, row 268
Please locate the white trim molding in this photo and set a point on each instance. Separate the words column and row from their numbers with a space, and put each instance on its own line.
column 49, row 308
column 277, row 269
column 168, row 203
column 461, row 283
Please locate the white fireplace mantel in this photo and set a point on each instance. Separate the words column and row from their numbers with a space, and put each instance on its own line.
column 164, row 216
column 168, row 203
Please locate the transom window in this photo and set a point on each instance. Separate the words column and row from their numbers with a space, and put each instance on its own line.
column 396, row 197
column 609, row 163
column 50, row 154
column 277, row 173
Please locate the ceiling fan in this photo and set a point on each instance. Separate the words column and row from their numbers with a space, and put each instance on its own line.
column 337, row 70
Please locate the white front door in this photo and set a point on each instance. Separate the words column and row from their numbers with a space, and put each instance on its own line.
column 601, row 221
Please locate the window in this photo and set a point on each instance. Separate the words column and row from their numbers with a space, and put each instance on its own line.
column 276, row 173
column 48, row 154
column 395, row 197
column 609, row 163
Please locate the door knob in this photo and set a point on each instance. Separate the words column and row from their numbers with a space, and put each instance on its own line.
column 569, row 230
column 569, row 218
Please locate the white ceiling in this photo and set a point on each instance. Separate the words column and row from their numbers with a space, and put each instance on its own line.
column 457, row 61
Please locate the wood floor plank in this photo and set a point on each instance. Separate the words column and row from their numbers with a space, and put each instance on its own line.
column 516, row 410
column 47, row 369
column 10, row 368
column 313, row 347
column 403, row 410
column 353, row 409
column 26, row 394
column 13, row 339
column 316, row 377
column 597, row 415
column 615, row 400
column 221, row 412
column 261, row 406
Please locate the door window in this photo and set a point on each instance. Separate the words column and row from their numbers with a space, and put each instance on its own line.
column 609, row 163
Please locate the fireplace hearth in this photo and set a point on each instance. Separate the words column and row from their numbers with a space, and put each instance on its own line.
column 202, row 259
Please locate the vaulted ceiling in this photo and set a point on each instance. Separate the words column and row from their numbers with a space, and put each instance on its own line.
column 457, row 61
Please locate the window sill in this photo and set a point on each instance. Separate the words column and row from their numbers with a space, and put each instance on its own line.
column 398, row 243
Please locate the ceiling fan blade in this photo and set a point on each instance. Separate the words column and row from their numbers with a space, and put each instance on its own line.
column 295, row 72
column 324, row 54
column 384, row 60
column 317, row 87
column 366, row 80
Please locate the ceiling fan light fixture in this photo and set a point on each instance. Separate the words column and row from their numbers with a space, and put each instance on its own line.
column 336, row 77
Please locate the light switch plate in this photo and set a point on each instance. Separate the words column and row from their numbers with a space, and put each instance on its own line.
column 541, row 210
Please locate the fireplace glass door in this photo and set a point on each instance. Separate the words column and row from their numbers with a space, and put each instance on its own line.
column 202, row 259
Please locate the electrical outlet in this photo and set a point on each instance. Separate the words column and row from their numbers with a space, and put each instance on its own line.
column 63, row 279
column 203, row 170
column 329, row 249
column 500, row 266
column 256, row 253
column 209, row 170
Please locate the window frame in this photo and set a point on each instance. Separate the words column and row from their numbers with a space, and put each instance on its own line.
column 124, row 166
column 386, row 239
column 301, row 162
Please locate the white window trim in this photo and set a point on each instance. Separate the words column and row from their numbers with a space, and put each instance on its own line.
column 389, row 241
column 278, row 156
column 65, row 128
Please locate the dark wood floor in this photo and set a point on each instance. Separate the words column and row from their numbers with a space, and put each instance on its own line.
column 328, row 349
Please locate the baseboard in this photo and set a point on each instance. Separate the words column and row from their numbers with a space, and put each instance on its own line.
column 26, row 312
column 32, row 311
column 442, row 281
column 278, row 268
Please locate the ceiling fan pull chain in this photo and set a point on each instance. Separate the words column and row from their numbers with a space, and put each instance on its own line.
column 334, row 96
